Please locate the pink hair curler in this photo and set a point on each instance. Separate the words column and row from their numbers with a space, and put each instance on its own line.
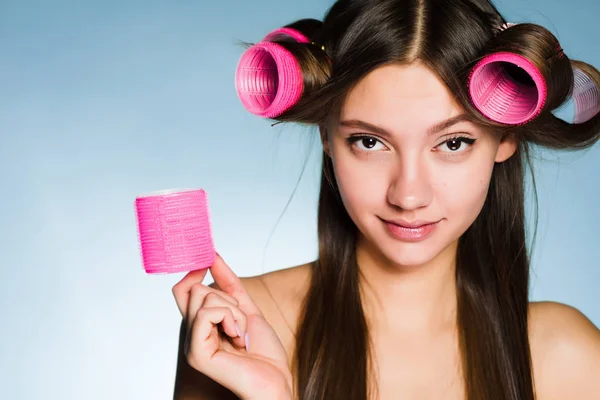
column 174, row 231
column 268, row 78
column 507, row 88
column 291, row 32
column 586, row 96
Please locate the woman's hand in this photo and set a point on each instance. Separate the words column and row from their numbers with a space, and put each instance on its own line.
column 213, row 346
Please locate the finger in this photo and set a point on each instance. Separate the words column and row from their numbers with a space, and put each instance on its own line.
column 229, row 283
column 181, row 290
column 229, row 369
column 215, row 300
column 197, row 294
column 204, row 339
column 202, row 297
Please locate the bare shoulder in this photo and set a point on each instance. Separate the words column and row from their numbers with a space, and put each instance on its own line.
column 565, row 348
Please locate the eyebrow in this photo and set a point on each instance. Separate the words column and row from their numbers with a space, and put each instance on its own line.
column 356, row 123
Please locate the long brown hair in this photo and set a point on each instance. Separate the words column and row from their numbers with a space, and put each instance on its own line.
column 332, row 354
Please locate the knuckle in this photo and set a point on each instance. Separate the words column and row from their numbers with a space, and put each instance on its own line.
column 214, row 288
column 201, row 314
column 225, row 311
column 212, row 298
column 194, row 360
column 241, row 316
column 197, row 288
column 213, row 295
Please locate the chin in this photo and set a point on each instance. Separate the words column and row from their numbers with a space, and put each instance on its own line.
column 409, row 256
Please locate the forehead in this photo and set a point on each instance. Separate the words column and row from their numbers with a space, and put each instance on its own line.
column 400, row 98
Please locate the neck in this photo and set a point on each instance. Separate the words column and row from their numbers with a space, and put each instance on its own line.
column 408, row 299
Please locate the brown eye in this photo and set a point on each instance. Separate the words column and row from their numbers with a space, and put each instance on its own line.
column 365, row 143
column 454, row 144
column 369, row 143
column 457, row 144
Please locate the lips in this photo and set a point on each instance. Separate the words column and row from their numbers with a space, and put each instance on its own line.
column 410, row 231
column 414, row 224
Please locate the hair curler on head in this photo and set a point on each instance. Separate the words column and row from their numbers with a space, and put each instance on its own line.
column 507, row 88
column 586, row 95
column 286, row 32
column 268, row 77
column 174, row 231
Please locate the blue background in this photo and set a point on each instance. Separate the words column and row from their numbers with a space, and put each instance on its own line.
column 102, row 101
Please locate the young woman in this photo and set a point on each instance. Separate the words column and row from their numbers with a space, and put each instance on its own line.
column 420, row 289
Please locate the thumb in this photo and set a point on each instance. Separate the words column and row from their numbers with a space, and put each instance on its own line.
column 262, row 339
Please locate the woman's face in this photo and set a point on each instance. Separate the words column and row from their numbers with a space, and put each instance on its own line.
column 402, row 154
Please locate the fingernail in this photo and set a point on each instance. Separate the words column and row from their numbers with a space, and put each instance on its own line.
column 237, row 329
column 246, row 339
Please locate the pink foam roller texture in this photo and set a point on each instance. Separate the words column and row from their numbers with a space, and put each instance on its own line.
column 586, row 96
column 268, row 80
column 502, row 99
column 292, row 33
column 174, row 231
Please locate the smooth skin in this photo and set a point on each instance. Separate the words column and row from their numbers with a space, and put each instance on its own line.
column 255, row 369
column 391, row 163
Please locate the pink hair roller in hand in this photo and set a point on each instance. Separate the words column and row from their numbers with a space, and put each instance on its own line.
column 268, row 78
column 501, row 92
column 174, row 231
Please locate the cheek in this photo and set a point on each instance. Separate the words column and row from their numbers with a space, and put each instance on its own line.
column 360, row 184
column 465, row 191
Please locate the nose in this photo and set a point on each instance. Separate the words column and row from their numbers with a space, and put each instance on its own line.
column 410, row 186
